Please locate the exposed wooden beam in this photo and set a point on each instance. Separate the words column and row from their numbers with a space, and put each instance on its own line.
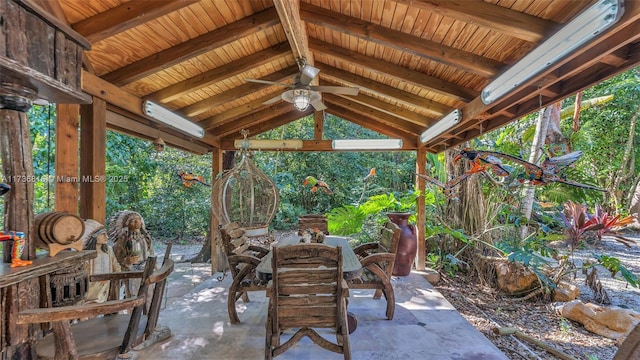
column 237, row 92
column 371, row 123
column 220, row 73
column 277, row 121
column 93, row 152
column 398, row 72
column 318, row 125
column 193, row 47
column 66, row 158
column 266, row 113
column 125, row 17
column 399, row 40
column 494, row 17
column 294, row 29
column 123, row 99
column 385, row 107
column 227, row 143
column 380, row 89
column 236, row 112
column 382, row 117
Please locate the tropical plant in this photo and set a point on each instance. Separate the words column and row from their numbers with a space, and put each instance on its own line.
column 576, row 221
column 611, row 225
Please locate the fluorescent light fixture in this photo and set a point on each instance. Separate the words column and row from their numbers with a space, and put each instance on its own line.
column 366, row 144
column 172, row 119
column 267, row 144
column 441, row 126
column 574, row 34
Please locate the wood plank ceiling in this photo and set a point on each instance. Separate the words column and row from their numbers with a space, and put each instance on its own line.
column 413, row 60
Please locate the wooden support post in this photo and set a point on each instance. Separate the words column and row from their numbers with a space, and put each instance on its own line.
column 17, row 171
column 318, row 129
column 421, row 168
column 216, row 168
column 66, row 185
column 93, row 144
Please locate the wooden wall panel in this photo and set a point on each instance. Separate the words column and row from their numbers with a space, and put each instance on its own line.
column 67, row 179
column 93, row 133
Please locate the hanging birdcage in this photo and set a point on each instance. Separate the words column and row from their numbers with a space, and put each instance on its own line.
column 247, row 196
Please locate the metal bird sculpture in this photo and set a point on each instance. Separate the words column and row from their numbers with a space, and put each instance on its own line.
column 316, row 184
column 483, row 160
column 544, row 174
column 447, row 188
column 370, row 176
column 189, row 179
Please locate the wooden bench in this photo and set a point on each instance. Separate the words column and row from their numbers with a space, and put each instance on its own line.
column 110, row 335
column 377, row 259
column 243, row 258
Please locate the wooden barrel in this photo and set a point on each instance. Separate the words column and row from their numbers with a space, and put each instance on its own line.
column 57, row 227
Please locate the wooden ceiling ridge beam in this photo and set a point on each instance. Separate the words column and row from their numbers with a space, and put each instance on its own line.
column 193, row 47
column 383, row 90
column 220, row 73
column 234, row 113
column 497, row 18
column 398, row 72
column 381, row 117
column 126, row 16
column 385, row 107
column 372, row 124
column 401, row 41
column 120, row 98
column 238, row 92
column 294, row 29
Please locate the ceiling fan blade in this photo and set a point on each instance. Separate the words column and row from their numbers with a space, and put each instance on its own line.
column 318, row 105
column 336, row 89
column 273, row 100
column 307, row 74
column 267, row 82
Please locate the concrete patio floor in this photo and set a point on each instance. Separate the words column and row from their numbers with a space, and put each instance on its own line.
column 425, row 325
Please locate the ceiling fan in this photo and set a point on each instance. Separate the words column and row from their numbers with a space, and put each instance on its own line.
column 301, row 94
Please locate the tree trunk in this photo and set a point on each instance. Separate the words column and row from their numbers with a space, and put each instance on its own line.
column 625, row 171
column 542, row 126
column 576, row 112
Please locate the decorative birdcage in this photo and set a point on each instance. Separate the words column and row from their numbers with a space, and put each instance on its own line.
column 247, row 196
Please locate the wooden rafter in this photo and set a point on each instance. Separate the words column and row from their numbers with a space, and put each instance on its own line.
column 125, row 17
column 220, row 73
column 235, row 113
column 193, row 47
column 252, row 119
column 398, row 40
column 289, row 13
column 380, row 89
column 277, row 121
column 238, row 92
column 398, row 72
column 382, row 117
column 494, row 17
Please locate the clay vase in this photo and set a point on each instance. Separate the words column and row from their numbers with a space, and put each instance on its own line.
column 407, row 244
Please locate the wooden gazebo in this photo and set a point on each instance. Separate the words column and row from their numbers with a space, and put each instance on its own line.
column 414, row 62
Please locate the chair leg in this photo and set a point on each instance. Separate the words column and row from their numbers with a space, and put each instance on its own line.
column 391, row 301
column 231, row 304
column 267, row 346
column 346, row 348
column 377, row 295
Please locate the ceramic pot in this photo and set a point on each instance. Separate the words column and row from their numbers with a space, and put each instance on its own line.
column 407, row 245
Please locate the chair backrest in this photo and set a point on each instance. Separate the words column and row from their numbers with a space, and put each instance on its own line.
column 150, row 277
column 389, row 238
column 307, row 286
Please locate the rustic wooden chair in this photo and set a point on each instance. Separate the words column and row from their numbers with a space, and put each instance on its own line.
column 377, row 259
column 243, row 258
column 630, row 347
column 108, row 336
column 307, row 291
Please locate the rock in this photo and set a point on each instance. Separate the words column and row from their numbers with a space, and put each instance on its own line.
column 565, row 292
column 612, row 322
column 514, row 278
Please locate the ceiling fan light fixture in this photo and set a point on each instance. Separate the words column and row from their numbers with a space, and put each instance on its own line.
column 301, row 99
column 583, row 28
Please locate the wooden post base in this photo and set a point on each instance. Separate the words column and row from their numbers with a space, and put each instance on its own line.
column 56, row 248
